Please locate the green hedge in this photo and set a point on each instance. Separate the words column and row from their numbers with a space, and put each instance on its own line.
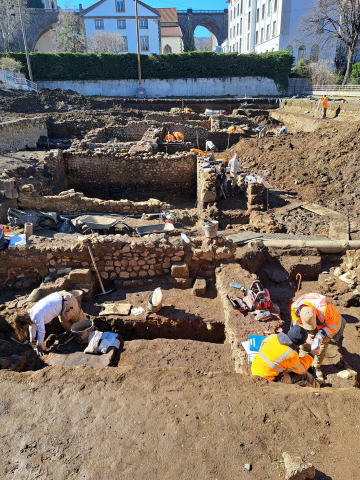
column 90, row 66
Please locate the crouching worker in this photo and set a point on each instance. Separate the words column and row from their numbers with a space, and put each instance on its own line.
column 62, row 304
column 278, row 358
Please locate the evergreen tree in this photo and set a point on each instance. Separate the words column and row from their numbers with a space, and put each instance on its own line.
column 71, row 36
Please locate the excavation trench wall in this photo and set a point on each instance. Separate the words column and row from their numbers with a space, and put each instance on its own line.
column 21, row 134
column 117, row 259
column 341, row 111
column 135, row 177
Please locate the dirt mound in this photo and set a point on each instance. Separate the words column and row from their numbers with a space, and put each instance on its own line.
column 319, row 167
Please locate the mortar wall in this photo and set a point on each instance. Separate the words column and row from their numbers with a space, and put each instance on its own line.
column 140, row 177
column 21, row 134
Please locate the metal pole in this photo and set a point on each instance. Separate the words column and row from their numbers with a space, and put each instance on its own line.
column 138, row 40
column 25, row 43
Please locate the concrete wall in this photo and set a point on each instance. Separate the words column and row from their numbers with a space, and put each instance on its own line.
column 200, row 87
column 297, row 85
column 19, row 134
column 6, row 72
column 133, row 177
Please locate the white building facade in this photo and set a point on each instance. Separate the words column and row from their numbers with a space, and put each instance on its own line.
column 119, row 16
column 259, row 26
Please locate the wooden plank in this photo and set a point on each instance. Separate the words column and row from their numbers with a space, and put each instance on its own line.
column 339, row 229
column 318, row 209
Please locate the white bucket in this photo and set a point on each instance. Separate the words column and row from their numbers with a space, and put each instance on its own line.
column 78, row 295
column 210, row 228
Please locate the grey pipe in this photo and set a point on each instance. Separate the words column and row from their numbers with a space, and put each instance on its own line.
column 324, row 246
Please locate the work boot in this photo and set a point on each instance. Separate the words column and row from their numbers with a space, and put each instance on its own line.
column 318, row 374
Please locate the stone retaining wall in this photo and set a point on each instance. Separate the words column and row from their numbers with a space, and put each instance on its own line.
column 75, row 203
column 206, row 189
column 21, row 134
column 135, row 177
column 117, row 258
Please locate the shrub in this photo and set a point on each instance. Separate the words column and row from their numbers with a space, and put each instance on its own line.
column 108, row 66
column 10, row 64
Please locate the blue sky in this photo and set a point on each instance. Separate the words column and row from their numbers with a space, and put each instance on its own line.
column 182, row 5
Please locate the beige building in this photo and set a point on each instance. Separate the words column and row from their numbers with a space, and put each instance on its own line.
column 171, row 37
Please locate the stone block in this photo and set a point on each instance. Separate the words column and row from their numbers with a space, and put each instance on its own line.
column 80, row 276
column 297, row 469
column 199, row 288
column 179, row 270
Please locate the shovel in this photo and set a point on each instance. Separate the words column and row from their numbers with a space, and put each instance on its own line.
column 98, row 274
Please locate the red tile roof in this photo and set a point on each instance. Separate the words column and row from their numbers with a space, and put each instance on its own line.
column 170, row 31
column 168, row 15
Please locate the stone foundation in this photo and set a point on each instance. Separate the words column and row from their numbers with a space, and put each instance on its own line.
column 21, row 134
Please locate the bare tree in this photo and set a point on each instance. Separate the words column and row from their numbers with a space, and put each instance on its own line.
column 321, row 73
column 10, row 28
column 333, row 23
column 106, row 42
column 203, row 44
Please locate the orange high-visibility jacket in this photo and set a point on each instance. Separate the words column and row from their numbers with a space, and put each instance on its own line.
column 324, row 102
column 328, row 318
column 278, row 356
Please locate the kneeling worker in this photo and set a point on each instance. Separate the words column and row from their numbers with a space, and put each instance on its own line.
column 322, row 321
column 278, row 358
column 62, row 304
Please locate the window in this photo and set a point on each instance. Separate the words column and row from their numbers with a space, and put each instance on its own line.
column 240, row 26
column 237, row 29
column 262, row 35
column 267, row 32
column 234, row 12
column 167, row 49
column 257, row 15
column 275, row 5
column 143, row 23
column 230, row 15
column 238, row 9
column 249, row 20
column 121, row 23
column 241, row 6
column 302, row 52
column 240, row 45
column 234, row 31
column 263, row 12
column 256, row 37
column 237, row 46
column 230, row 32
column 274, row 29
column 269, row 7
column 289, row 48
column 234, row 47
column 99, row 24
column 314, row 53
column 120, row 5
column 144, row 42
column 249, row 3
column 248, row 42
column 125, row 44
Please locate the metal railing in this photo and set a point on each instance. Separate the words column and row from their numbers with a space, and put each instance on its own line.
column 334, row 90
column 53, row 10
column 20, row 83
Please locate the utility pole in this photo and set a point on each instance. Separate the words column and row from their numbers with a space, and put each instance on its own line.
column 25, row 43
column 138, row 40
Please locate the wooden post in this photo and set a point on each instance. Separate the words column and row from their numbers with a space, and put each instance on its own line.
column 138, row 41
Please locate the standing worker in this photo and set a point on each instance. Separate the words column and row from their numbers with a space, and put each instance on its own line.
column 324, row 103
column 278, row 358
column 323, row 322
column 234, row 166
column 62, row 304
column 221, row 180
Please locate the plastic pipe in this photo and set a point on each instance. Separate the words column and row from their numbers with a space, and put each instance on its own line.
column 326, row 246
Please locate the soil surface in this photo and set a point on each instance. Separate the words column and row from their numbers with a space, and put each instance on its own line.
column 171, row 423
column 201, row 356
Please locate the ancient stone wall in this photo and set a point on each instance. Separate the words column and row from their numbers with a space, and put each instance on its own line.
column 21, row 134
column 75, row 203
column 116, row 258
column 131, row 132
column 206, row 188
column 135, row 177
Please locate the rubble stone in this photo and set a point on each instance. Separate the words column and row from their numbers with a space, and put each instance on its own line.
column 180, row 270
column 199, row 288
column 297, row 469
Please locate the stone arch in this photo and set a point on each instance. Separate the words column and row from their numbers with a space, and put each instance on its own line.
column 41, row 35
column 40, row 23
column 216, row 23
column 290, row 48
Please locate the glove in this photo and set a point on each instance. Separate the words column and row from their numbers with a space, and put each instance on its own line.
column 39, row 351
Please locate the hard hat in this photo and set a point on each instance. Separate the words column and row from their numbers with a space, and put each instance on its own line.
column 308, row 318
